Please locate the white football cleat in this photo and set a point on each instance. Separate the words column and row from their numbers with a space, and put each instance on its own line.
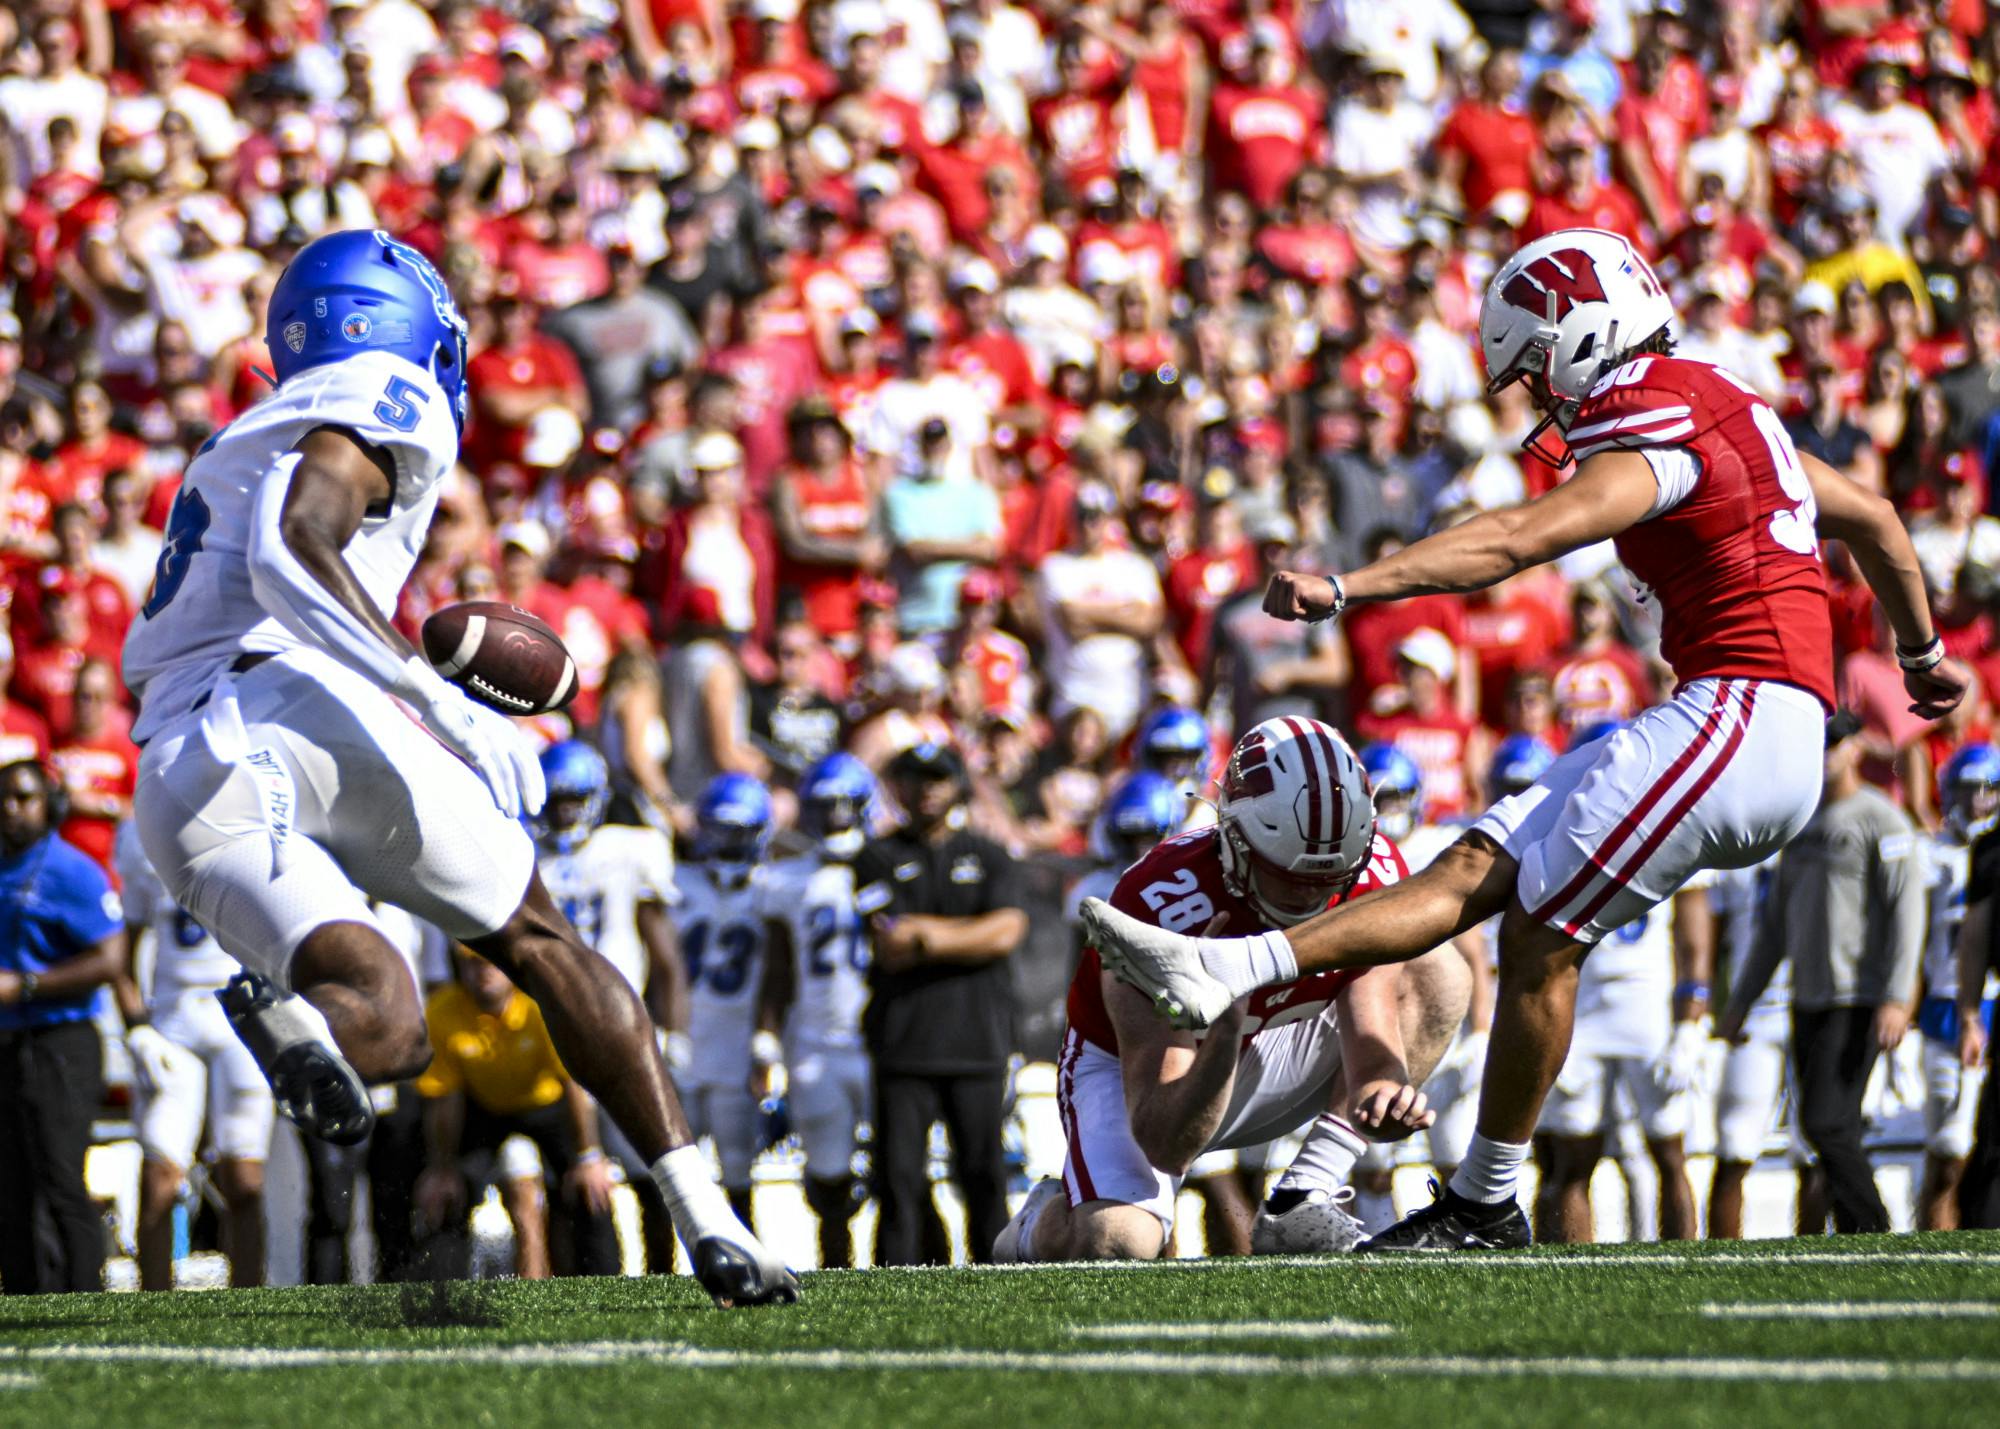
column 1318, row 1225
column 1165, row 966
column 1009, row 1246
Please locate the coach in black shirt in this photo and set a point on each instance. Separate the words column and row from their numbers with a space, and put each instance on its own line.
column 944, row 916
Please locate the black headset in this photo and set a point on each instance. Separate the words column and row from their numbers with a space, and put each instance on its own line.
column 55, row 794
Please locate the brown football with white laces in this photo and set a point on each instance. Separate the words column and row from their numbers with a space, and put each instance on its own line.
column 502, row 656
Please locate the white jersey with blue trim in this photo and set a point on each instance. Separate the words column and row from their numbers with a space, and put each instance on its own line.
column 722, row 942
column 600, row 884
column 202, row 612
column 186, row 958
column 1947, row 864
column 813, row 898
column 1100, row 882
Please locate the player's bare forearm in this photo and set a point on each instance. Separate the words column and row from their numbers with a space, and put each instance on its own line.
column 1881, row 548
column 774, row 994
column 1177, row 1090
column 1694, row 952
column 1468, row 883
column 978, row 939
column 582, row 1114
column 1610, row 493
column 335, row 483
column 666, row 984
column 1371, row 1029
column 1974, row 940
column 95, row 966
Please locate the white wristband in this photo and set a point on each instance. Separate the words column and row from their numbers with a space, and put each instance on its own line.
column 419, row 684
column 1339, row 601
column 1927, row 658
column 765, row 1048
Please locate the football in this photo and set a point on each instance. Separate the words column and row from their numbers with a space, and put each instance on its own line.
column 502, row 656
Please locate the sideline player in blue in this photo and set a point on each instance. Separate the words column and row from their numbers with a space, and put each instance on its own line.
column 283, row 783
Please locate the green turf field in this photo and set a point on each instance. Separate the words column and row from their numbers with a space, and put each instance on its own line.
column 1865, row 1332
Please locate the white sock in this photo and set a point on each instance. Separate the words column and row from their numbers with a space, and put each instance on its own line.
column 1245, row 964
column 1327, row 1159
column 695, row 1202
column 1490, row 1169
column 1031, row 1216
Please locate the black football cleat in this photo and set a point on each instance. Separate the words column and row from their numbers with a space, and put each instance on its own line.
column 312, row 1083
column 736, row 1275
column 1453, row 1222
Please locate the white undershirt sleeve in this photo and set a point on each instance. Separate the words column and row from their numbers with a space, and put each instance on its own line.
column 1676, row 470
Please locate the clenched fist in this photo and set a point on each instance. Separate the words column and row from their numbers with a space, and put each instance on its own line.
column 1292, row 595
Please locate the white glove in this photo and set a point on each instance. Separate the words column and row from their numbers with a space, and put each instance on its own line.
column 155, row 1060
column 678, row 1050
column 482, row 737
column 1679, row 1067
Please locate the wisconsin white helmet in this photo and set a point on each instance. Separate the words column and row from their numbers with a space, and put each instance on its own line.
column 1295, row 817
column 1566, row 309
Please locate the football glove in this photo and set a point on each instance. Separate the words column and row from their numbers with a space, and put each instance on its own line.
column 482, row 737
column 1679, row 1067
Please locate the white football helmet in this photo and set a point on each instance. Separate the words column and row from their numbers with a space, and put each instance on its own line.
column 1295, row 817
column 1566, row 309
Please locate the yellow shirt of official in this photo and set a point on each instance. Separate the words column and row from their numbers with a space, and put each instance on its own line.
column 504, row 1061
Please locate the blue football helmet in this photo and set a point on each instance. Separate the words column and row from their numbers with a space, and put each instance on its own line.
column 1520, row 760
column 835, row 799
column 363, row 291
column 1141, row 811
column 1173, row 741
column 1397, row 786
column 1969, row 790
column 579, row 778
column 733, row 825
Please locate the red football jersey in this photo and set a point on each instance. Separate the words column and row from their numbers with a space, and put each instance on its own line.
column 1178, row 885
column 1734, row 568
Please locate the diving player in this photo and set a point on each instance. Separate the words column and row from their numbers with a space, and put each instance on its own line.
column 284, row 781
column 615, row 883
column 815, row 985
column 720, row 918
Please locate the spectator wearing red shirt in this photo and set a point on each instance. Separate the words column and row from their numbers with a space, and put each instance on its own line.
column 45, row 673
column 772, row 366
column 525, row 548
column 1263, row 132
column 1599, row 676
column 1518, row 624
column 988, row 355
column 24, row 734
column 1381, row 362
column 777, row 68
column 1077, row 122
column 524, row 371
column 721, row 547
column 107, row 609
column 994, row 673
column 1796, row 144
column 1448, row 748
column 1579, row 199
column 954, row 172
column 1653, row 134
column 76, row 471
column 827, row 532
column 1222, row 563
column 1375, row 632
column 1488, row 143
column 1168, row 71
column 562, row 266
column 97, row 763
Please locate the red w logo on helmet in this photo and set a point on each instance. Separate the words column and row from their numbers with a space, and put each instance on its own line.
column 1568, row 273
column 1249, row 774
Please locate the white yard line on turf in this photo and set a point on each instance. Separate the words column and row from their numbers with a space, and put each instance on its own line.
column 1091, row 1362
column 18, row 1381
column 1239, row 1330
column 1858, row 1310
column 1455, row 1262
